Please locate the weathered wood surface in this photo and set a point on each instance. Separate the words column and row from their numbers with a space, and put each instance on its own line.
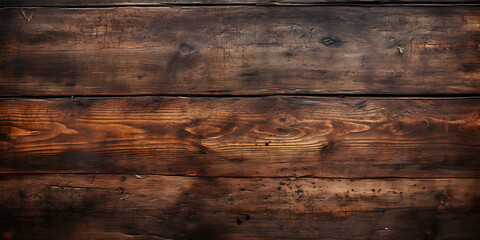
column 259, row 136
column 239, row 50
column 73, row 3
column 160, row 207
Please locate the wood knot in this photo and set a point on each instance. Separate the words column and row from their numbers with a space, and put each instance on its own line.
column 442, row 198
column 331, row 41
column 328, row 148
column 202, row 149
column 361, row 104
column 186, row 49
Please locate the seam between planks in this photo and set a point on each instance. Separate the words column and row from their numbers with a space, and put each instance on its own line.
column 272, row 4
column 141, row 175
column 373, row 96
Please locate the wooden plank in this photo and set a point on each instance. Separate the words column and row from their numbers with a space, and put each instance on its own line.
column 258, row 136
column 46, row 3
column 172, row 207
column 239, row 50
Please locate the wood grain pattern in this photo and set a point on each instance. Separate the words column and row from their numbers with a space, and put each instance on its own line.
column 239, row 50
column 159, row 207
column 266, row 136
column 46, row 3
column 116, row 166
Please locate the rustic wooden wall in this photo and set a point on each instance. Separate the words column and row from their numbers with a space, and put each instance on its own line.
column 239, row 119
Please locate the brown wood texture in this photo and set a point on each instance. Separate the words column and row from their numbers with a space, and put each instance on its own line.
column 75, row 3
column 219, row 119
column 259, row 136
column 173, row 207
column 239, row 50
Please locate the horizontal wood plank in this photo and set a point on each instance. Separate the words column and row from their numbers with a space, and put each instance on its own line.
column 258, row 136
column 93, row 3
column 239, row 50
column 161, row 207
